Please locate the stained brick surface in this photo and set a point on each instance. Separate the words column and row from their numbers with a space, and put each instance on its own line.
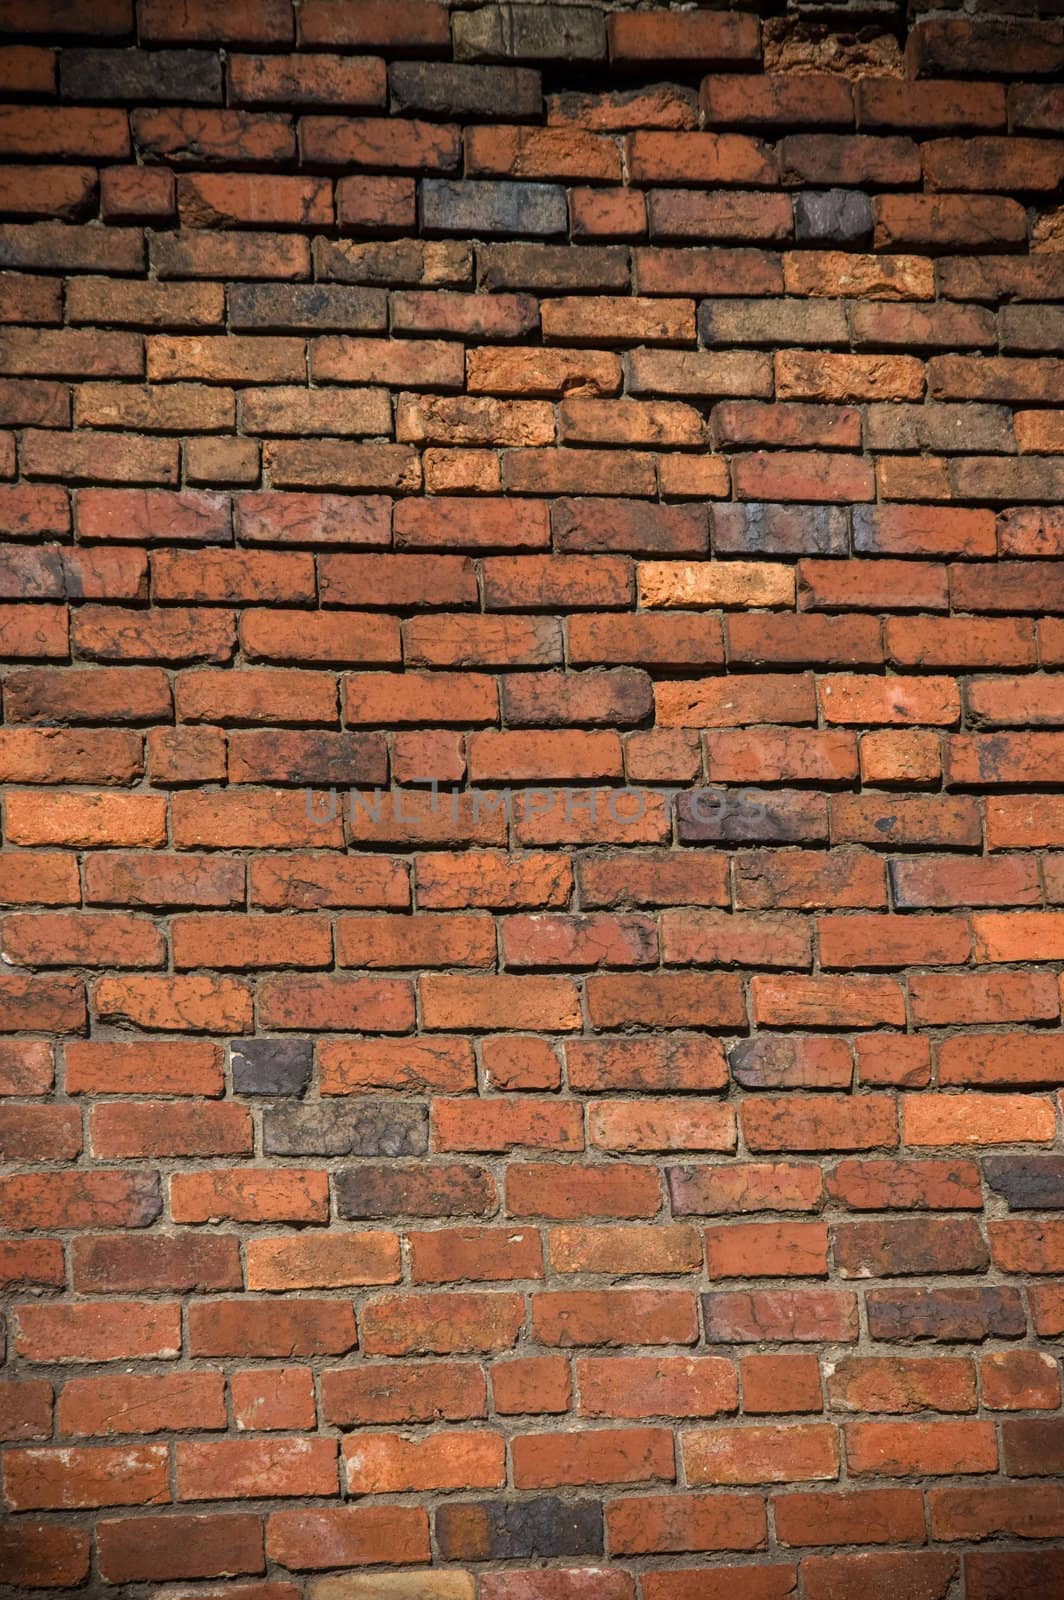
column 532, row 864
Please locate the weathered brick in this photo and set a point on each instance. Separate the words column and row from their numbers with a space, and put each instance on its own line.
column 543, row 1526
column 711, row 39
column 563, row 410
column 491, row 208
column 551, row 33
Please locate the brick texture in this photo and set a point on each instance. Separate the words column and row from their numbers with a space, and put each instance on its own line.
column 532, row 857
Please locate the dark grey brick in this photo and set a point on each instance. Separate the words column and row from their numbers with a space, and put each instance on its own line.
column 553, row 266
column 443, row 90
column 1032, row 328
column 459, row 206
column 57, row 247
column 271, row 1066
column 430, row 264
column 1029, row 1182
column 789, row 816
column 139, row 75
column 334, row 1128
column 950, row 429
column 307, row 308
column 529, row 33
column 837, row 216
column 783, row 530
column 501, row 1530
column 421, row 1190
column 773, row 322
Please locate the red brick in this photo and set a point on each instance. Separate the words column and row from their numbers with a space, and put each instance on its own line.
column 777, row 1061
column 386, row 1463
column 33, row 1261
column 661, row 1125
column 782, row 475
column 272, row 1398
column 765, row 1582
column 137, row 194
column 708, row 38
column 159, row 1128
column 909, row 1247
column 664, row 1000
column 289, row 1195
column 27, row 1408
column 856, row 1516
column 116, row 1330
column 479, row 1254
column 706, row 272
column 821, row 1122
column 944, row 221
column 673, row 1062
column 235, row 1469
column 1019, row 1380
column 172, row 1005
column 142, row 1262
column 403, row 1392
column 351, row 1535
column 974, row 997
column 502, row 1124
column 377, row 142
column 256, row 1328
column 80, row 1200
column 737, row 216
column 780, row 1383
column 886, row 1060
column 44, row 1554
column 96, row 133
column 607, row 214
column 40, row 631
column 865, row 277
column 85, row 939
column 877, row 1185
column 917, row 1573
column 27, row 1066
column 40, row 1132
column 975, row 1511
column 531, row 1384
column 548, row 1004
column 42, row 1004
column 832, row 909
column 211, row 200
column 901, row 1449
column 604, row 1455
column 441, row 1324
column 179, row 1546
column 625, row 1251
column 761, row 1453
column 511, row 1061
column 972, row 1118
column 995, row 1060
column 614, row 1190
column 815, row 99
column 885, row 941
column 767, row 1250
column 910, row 820
column 785, row 1314
column 49, row 1479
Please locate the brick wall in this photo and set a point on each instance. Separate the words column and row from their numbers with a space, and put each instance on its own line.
column 631, row 1167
